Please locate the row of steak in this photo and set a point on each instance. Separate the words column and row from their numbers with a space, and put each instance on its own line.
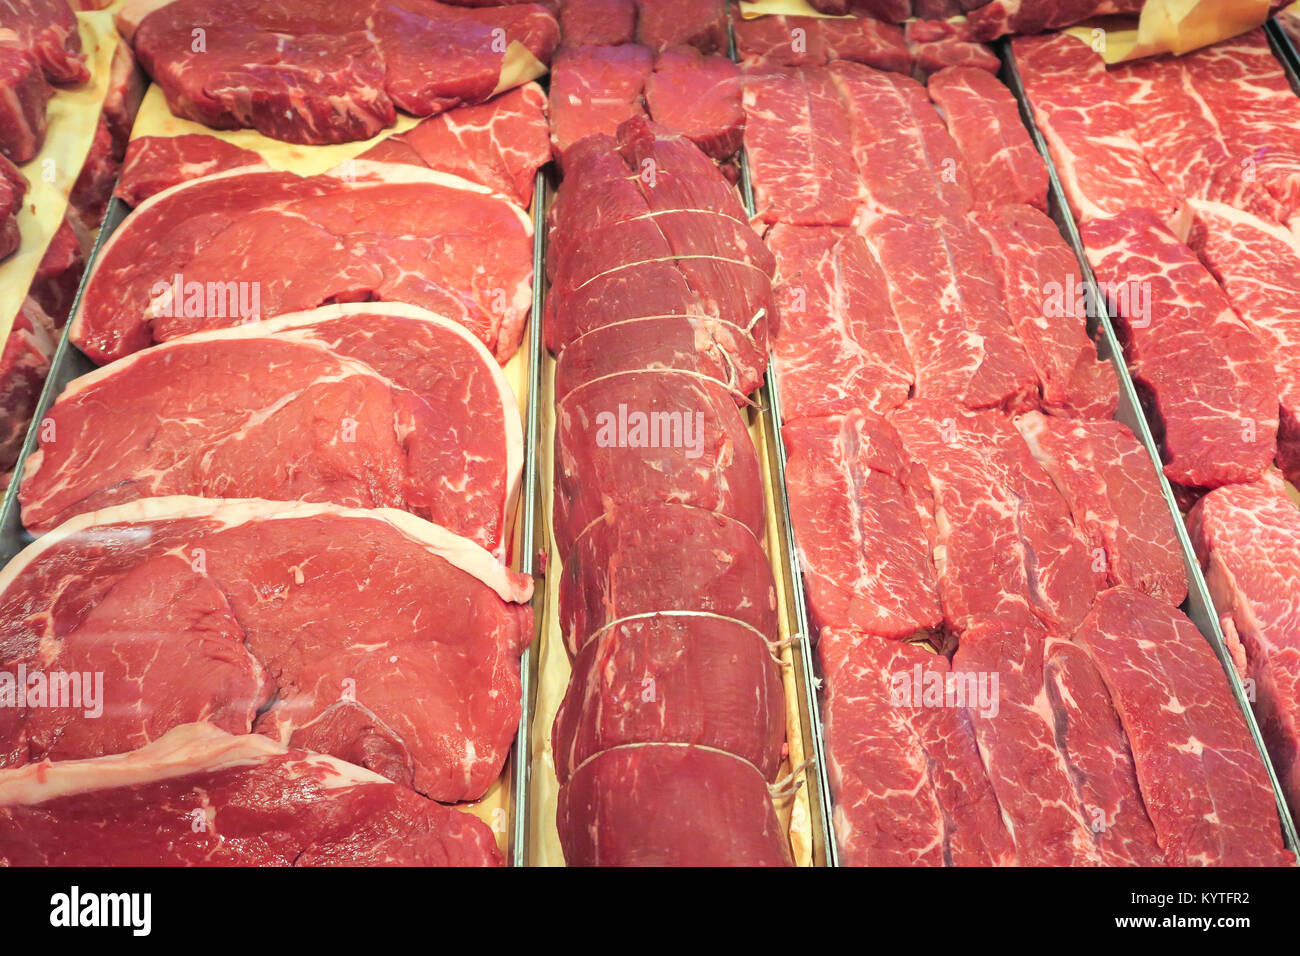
column 660, row 312
column 991, row 568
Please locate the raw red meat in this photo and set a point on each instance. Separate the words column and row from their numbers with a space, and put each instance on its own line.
column 1258, row 112
column 1248, row 539
column 313, row 624
column 594, row 89
column 1001, row 17
column 1184, row 136
column 936, row 45
column 839, row 347
column 863, row 549
column 669, row 805
column 155, row 163
column 1207, row 375
column 1017, row 738
column 374, row 406
column 984, row 120
column 48, row 30
column 908, row 164
column 698, row 96
column 627, row 565
column 647, row 436
column 24, row 363
column 947, row 295
column 314, row 71
column 597, row 22
column 499, row 144
column 894, row 11
column 1091, row 132
column 1108, row 481
column 262, row 805
column 1194, row 756
column 1045, row 302
column 706, row 681
column 58, row 274
column 93, row 188
column 1005, row 541
column 811, row 41
column 13, row 187
column 1092, row 741
column 375, row 231
column 24, row 95
column 1258, row 265
column 695, row 343
column 799, row 144
column 661, row 24
column 909, row 786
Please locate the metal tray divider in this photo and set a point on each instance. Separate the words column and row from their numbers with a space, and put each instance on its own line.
column 530, row 492
column 68, row 363
column 1200, row 606
column 769, row 401
column 1285, row 50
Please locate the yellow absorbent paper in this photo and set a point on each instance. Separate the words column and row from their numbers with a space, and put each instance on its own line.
column 1171, row 26
column 73, row 116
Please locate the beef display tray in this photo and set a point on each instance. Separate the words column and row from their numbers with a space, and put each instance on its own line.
column 509, row 794
column 804, row 810
column 1199, row 606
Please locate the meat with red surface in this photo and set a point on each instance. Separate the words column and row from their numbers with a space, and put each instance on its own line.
column 369, row 635
column 259, row 804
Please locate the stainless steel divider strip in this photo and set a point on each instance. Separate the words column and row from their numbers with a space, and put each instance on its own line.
column 1200, row 606
column 1285, row 50
column 68, row 363
column 530, row 491
column 769, row 398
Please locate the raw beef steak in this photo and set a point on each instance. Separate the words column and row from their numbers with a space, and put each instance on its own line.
column 840, row 347
column 48, row 30
column 1191, row 748
column 364, row 406
column 369, row 635
column 812, row 41
column 1248, row 539
column 698, row 96
column 155, row 163
column 627, row 565
column 24, row 363
column 700, row 680
column 1005, row 541
column 315, row 71
column 372, row 231
column 261, row 804
column 646, row 436
column 983, row 118
column 1044, row 298
column 24, row 95
column 1108, row 481
column 594, row 89
column 661, row 24
column 909, row 786
column 863, row 550
column 13, row 187
column 1206, row 374
column 669, row 805
column 597, row 22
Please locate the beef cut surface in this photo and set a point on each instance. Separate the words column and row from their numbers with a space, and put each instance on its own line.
column 1258, row 265
column 699, row 96
column 155, row 163
column 24, row 95
column 261, row 804
column 863, row 548
column 24, row 364
column 359, row 405
column 367, row 231
column 909, row 785
column 1205, row 787
column 813, row 41
column 1218, row 419
column 594, row 89
column 1248, row 538
column 13, row 187
column 371, row 635
column 47, row 29
column 314, row 71
column 839, row 347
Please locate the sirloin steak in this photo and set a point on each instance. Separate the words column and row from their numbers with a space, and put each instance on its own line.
column 361, row 405
column 373, row 636
column 368, row 231
column 264, row 805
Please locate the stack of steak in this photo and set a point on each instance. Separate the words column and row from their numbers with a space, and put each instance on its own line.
column 673, row 726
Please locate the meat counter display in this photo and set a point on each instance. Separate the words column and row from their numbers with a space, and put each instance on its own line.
column 649, row 433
